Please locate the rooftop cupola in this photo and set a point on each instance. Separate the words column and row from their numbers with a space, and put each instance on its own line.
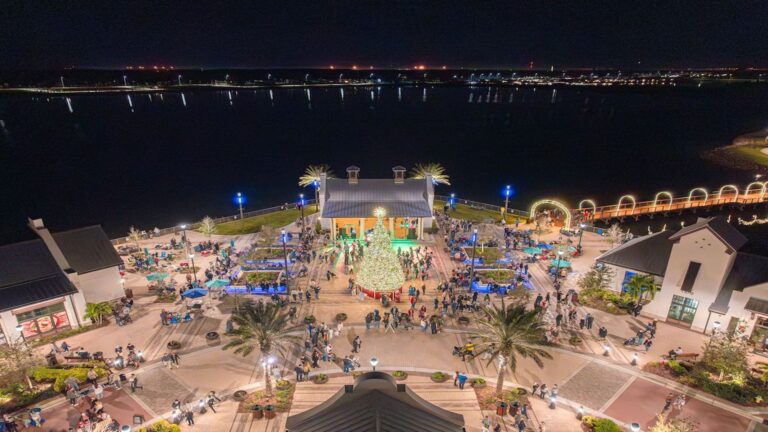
column 399, row 173
column 353, row 174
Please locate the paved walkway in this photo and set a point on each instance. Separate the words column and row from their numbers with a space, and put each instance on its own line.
column 603, row 385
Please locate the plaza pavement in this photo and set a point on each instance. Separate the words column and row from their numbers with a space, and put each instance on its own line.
column 603, row 385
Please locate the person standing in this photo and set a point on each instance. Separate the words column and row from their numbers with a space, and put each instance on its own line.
column 589, row 319
column 456, row 379
column 356, row 344
column 175, row 357
column 668, row 402
column 211, row 399
column 190, row 416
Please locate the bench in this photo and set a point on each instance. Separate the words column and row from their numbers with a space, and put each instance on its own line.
column 691, row 357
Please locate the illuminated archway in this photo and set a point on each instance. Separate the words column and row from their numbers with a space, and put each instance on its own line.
column 762, row 188
column 658, row 195
column 627, row 197
column 690, row 194
column 556, row 204
column 590, row 202
column 730, row 186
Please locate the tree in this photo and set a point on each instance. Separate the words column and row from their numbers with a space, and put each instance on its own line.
column 16, row 360
column 207, row 226
column 267, row 235
column 134, row 235
column 726, row 354
column 263, row 327
column 439, row 176
column 312, row 176
column 598, row 277
column 641, row 285
column 97, row 311
column 615, row 235
column 380, row 270
column 509, row 331
column 675, row 425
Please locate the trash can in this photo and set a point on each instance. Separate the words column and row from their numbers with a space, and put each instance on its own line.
column 257, row 412
column 501, row 408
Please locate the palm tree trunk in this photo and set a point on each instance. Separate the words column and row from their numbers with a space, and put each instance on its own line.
column 500, row 381
column 267, row 381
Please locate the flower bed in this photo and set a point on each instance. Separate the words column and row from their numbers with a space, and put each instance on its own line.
column 257, row 277
column 503, row 277
column 606, row 300
column 281, row 401
column 597, row 424
column 487, row 398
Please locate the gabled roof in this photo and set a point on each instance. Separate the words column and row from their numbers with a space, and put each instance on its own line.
column 29, row 274
column 406, row 199
column 647, row 254
column 719, row 227
column 376, row 403
column 747, row 270
column 87, row 249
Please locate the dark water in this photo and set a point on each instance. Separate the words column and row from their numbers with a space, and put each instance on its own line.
column 160, row 162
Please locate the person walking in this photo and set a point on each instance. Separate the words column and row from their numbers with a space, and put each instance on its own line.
column 211, row 399
column 190, row 416
column 648, row 343
column 356, row 344
column 456, row 379
column 589, row 319
column 668, row 402
column 299, row 370
column 175, row 358
column 462, row 380
column 135, row 383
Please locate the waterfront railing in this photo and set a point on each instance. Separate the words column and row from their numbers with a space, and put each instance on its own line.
column 484, row 206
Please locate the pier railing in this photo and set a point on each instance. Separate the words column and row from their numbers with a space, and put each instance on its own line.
column 678, row 204
column 484, row 206
column 193, row 226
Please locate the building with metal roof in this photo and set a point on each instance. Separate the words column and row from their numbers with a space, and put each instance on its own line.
column 709, row 279
column 375, row 403
column 347, row 205
column 45, row 283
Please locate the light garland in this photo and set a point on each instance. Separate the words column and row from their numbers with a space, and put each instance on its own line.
column 754, row 221
column 380, row 270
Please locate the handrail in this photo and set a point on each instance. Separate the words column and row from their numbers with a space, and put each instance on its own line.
column 484, row 206
column 680, row 203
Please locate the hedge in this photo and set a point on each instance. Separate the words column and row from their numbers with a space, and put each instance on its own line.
column 59, row 375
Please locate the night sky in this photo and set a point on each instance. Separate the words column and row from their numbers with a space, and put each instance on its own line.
column 54, row 34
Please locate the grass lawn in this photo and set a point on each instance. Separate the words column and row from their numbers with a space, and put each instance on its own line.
column 751, row 153
column 466, row 212
column 253, row 224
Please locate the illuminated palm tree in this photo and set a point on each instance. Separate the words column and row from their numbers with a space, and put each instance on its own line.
column 311, row 177
column 434, row 169
column 509, row 331
column 262, row 326
column 640, row 285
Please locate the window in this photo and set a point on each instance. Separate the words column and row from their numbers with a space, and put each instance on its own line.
column 43, row 320
column 690, row 276
column 683, row 309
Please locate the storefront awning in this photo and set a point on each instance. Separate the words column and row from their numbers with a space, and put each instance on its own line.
column 757, row 305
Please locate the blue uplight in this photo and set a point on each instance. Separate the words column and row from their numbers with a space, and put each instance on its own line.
column 239, row 199
column 508, row 191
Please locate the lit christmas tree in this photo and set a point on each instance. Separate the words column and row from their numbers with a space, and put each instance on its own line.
column 380, row 270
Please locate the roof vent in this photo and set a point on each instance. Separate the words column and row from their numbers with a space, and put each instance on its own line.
column 399, row 173
column 353, row 173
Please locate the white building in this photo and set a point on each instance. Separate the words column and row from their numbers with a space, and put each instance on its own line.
column 346, row 205
column 45, row 283
column 707, row 277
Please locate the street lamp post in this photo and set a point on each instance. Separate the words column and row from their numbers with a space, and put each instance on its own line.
column 472, row 268
column 581, row 233
column 557, row 269
column 179, row 77
column 507, row 191
column 194, row 269
column 301, row 205
column 285, row 253
column 20, row 329
column 125, row 80
column 239, row 200
column 374, row 362
column 316, row 184
column 184, row 237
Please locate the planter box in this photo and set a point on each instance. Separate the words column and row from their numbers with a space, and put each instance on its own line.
column 402, row 377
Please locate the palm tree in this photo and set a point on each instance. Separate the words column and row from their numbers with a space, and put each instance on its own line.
column 434, row 169
column 207, row 226
column 97, row 311
column 510, row 331
column 262, row 326
column 134, row 235
column 640, row 285
column 312, row 174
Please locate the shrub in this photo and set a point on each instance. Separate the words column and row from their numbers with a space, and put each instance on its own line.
column 574, row 340
column 439, row 376
column 478, row 382
column 282, row 384
column 600, row 424
column 432, row 230
column 318, row 227
column 309, row 319
column 341, row 317
column 161, row 426
column 59, row 375
column 676, row 368
column 399, row 374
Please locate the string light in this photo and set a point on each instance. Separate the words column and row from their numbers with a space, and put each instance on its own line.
column 754, row 221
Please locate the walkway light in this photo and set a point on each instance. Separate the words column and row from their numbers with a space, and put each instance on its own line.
column 553, row 402
column 634, row 359
column 374, row 362
column 634, row 427
column 606, row 350
column 580, row 412
column 19, row 328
